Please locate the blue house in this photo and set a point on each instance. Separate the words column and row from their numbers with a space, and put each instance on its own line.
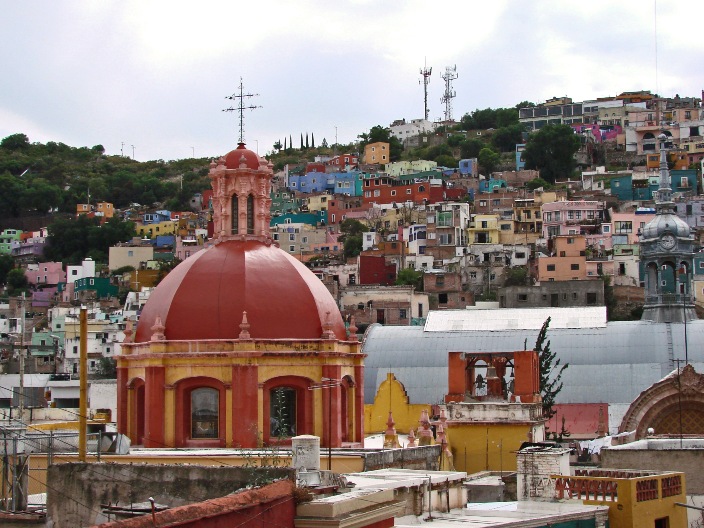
column 309, row 182
column 313, row 219
column 469, row 167
column 347, row 183
column 488, row 186
column 156, row 217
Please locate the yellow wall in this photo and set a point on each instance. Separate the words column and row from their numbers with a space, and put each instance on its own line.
column 626, row 512
column 486, row 446
column 392, row 396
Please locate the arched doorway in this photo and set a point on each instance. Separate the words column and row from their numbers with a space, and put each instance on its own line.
column 672, row 406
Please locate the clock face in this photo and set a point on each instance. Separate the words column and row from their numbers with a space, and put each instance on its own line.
column 667, row 241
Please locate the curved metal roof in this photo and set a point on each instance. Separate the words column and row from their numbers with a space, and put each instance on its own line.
column 608, row 364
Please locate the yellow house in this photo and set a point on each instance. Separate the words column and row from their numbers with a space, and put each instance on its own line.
column 167, row 227
column 319, row 202
column 483, row 229
column 398, row 168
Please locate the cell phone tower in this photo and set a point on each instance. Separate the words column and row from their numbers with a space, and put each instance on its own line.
column 449, row 76
column 425, row 72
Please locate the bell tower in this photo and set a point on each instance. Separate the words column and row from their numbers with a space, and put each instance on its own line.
column 667, row 257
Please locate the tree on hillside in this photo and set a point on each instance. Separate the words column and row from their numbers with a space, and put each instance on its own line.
column 16, row 281
column 351, row 236
column 471, row 147
column 277, row 145
column 15, row 142
column 11, row 195
column 379, row 133
column 488, row 159
column 551, row 150
column 505, row 138
column 410, row 277
column 312, row 140
column 550, row 371
column 7, row 263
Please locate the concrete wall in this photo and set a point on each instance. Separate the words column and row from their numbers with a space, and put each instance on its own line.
column 90, row 485
column 424, row 457
column 689, row 460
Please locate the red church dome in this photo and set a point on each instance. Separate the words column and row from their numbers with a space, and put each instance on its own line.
column 234, row 158
column 204, row 297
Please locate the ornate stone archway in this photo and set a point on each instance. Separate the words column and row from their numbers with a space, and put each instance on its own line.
column 674, row 400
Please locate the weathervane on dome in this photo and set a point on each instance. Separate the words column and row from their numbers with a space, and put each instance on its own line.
column 240, row 108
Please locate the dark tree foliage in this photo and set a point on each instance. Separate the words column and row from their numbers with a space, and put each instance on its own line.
column 351, row 236
column 7, row 263
column 16, row 281
column 551, row 150
column 471, row 148
column 505, row 138
column 516, row 276
column 550, row 371
column 488, row 159
column 71, row 239
column 15, row 142
column 410, row 277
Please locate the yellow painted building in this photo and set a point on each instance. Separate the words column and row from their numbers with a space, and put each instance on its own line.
column 483, row 229
column 167, row 227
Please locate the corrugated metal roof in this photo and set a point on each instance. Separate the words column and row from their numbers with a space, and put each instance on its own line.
column 609, row 364
column 515, row 319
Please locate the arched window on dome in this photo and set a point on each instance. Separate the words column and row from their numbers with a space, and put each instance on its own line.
column 250, row 215
column 282, row 412
column 205, row 405
column 235, row 214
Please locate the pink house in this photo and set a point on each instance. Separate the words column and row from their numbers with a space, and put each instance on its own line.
column 580, row 217
column 45, row 273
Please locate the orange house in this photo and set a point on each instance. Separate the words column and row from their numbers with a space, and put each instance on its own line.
column 568, row 260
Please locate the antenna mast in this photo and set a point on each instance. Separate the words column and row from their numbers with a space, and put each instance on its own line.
column 425, row 72
column 241, row 107
column 449, row 76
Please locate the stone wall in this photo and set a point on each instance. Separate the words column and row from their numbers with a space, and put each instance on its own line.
column 535, row 465
column 425, row 457
column 90, row 485
column 665, row 458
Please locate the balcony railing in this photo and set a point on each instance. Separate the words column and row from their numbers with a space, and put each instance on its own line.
column 668, row 298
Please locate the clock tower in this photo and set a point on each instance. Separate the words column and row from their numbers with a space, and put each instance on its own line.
column 667, row 254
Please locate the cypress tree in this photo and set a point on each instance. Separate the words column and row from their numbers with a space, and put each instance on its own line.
column 312, row 140
column 301, row 140
column 550, row 371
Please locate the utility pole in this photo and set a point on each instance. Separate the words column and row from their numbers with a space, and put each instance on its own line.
column 241, row 107
column 83, row 393
column 20, row 400
column 425, row 72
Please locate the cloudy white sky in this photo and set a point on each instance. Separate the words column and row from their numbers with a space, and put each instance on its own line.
column 155, row 74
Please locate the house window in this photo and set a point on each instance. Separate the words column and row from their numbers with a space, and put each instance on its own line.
column 402, row 314
column 522, row 297
column 408, row 191
column 574, row 266
column 282, row 412
column 130, row 253
column 291, row 249
column 393, row 193
column 472, row 274
column 276, row 236
column 291, row 237
column 551, row 267
column 250, row 215
column 442, row 298
column 205, row 403
column 236, row 214
column 570, row 240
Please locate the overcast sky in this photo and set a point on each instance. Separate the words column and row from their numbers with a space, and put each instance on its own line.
column 155, row 74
